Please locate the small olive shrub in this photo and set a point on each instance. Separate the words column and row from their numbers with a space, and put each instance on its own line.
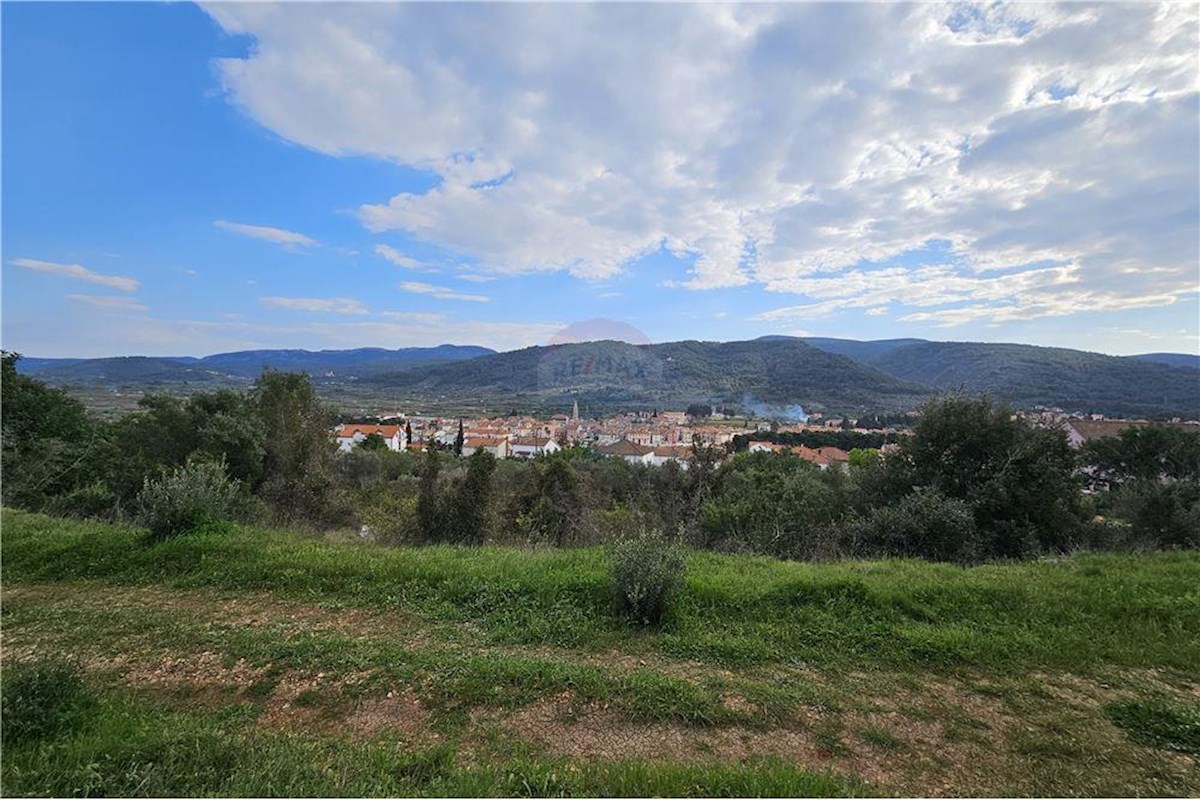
column 39, row 700
column 195, row 496
column 646, row 572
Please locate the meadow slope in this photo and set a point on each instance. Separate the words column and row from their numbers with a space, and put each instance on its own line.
column 259, row 662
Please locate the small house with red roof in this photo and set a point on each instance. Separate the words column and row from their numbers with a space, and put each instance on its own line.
column 351, row 435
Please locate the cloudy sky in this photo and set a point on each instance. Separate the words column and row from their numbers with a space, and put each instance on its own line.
column 189, row 179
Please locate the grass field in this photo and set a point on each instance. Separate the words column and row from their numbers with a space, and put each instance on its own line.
column 257, row 662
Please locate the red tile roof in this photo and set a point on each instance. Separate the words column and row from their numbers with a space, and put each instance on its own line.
column 624, row 448
column 834, row 453
column 811, row 454
column 386, row 431
column 481, row 441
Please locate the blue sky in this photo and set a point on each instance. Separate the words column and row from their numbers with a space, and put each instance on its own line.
column 186, row 180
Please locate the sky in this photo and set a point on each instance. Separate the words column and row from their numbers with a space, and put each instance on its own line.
column 183, row 180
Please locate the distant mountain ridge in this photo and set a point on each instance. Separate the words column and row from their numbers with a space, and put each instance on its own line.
column 1026, row 375
column 244, row 365
column 1184, row 360
column 864, row 351
column 611, row 374
column 838, row 375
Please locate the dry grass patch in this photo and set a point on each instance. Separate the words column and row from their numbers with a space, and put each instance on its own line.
column 248, row 609
column 399, row 712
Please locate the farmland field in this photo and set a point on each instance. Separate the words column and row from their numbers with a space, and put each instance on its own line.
column 256, row 662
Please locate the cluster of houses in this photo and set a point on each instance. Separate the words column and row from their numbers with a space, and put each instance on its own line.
column 652, row 437
column 1081, row 429
column 638, row 438
column 657, row 456
column 823, row 457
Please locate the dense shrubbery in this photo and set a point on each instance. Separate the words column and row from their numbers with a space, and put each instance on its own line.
column 646, row 571
column 1149, row 477
column 1019, row 481
column 778, row 505
column 971, row 483
column 274, row 440
column 48, row 443
column 924, row 524
column 1160, row 514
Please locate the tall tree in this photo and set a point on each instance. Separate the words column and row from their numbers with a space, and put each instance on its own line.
column 1148, row 453
column 47, row 439
column 428, row 511
column 1018, row 480
column 459, row 439
column 297, row 476
column 472, row 500
column 556, row 511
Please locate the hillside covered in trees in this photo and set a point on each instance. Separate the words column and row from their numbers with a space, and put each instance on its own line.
column 1051, row 376
column 616, row 375
column 837, row 376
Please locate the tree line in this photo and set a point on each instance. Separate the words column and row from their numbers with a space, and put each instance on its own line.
column 971, row 482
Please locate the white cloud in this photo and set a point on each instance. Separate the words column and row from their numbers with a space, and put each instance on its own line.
column 764, row 142
column 266, row 233
column 423, row 317
column 77, row 271
column 473, row 278
column 329, row 305
column 111, row 302
column 399, row 259
column 442, row 292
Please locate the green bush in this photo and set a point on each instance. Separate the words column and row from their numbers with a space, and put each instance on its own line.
column 1163, row 514
column 40, row 699
column 924, row 524
column 775, row 505
column 197, row 495
column 646, row 572
column 392, row 517
column 94, row 500
column 1019, row 480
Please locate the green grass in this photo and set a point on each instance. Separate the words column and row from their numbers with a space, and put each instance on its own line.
column 881, row 738
column 37, row 700
column 449, row 675
column 134, row 748
column 1159, row 723
column 1129, row 610
column 268, row 643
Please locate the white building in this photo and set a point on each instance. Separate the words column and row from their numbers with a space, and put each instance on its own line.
column 681, row 454
column 532, row 446
column 350, row 436
column 497, row 446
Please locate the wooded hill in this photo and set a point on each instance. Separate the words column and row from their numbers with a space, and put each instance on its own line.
column 771, row 375
column 1026, row 376
column 243, row 365
column 609, row 375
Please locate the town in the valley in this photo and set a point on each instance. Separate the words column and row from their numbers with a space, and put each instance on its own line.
column 656, row 437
